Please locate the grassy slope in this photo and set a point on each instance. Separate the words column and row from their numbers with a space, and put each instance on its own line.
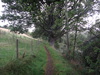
column 62, row 67
column 30, row 65
column 8, row 47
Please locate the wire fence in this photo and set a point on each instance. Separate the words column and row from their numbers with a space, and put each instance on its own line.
column 13, row 46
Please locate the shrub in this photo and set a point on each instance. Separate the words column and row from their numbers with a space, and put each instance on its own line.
column 91, row 55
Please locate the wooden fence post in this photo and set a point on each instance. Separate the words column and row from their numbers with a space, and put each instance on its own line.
column 31, row 45
column 17, row 54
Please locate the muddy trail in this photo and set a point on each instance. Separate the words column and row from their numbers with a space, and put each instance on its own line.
column 49, row 66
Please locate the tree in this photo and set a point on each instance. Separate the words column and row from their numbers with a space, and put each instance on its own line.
column 5, row 26
column 48, row 16
column 91, row 55
column 94, row 30
column 19, row 21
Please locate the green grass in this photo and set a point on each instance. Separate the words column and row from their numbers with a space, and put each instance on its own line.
column 35, row 59
column 8, row 48
column 62, row 66
column 30, row 65
column 33, row 63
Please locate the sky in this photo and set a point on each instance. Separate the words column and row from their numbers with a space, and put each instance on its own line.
column 90, row 19
column 2, row 9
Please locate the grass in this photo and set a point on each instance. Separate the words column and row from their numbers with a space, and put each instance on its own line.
column 33, row 63
column 35, row 59
column 8, row 48
column 62, row 66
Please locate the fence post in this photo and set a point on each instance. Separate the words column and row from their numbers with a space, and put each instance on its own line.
column 0, row 31
column 31, row 45
column 17, row 54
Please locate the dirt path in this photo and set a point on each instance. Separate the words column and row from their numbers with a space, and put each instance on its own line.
column 49, row 66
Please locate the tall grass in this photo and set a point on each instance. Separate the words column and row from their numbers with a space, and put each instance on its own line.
column 8, row 47
column 35, row 59
column 35, row 56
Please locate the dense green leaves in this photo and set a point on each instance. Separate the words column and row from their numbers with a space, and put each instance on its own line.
column 91, row 55
column 47, row 15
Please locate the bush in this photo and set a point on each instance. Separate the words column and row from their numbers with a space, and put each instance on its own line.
column 91, row 55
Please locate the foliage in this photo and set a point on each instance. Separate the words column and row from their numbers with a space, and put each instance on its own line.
column 48, row 16
column 18, row 29
column 91, row 55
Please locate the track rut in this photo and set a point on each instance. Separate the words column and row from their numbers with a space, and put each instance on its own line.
column 49, row 66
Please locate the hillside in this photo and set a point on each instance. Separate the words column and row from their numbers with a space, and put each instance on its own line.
column 8, row 31
column 35, row 57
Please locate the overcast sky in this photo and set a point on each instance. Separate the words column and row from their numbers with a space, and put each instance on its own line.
column 1, row 9
column 91, row 20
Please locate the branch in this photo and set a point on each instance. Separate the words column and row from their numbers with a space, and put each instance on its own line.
column 43, row 27
column 93, row 33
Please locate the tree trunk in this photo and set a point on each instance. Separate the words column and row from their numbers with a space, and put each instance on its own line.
column 51, row 41
column 66, row 15
column 17, row 51
column 68, row 42
column 75, row 42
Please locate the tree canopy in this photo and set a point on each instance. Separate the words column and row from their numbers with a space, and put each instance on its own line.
column 48, row 16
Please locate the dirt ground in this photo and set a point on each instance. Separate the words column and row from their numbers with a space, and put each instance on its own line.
column 49, row 66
